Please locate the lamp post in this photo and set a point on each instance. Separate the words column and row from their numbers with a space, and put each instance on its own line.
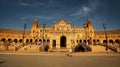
column 85, row 26
column 91, row 37
column 106, row 36
column 43, row 31
column 24, row 33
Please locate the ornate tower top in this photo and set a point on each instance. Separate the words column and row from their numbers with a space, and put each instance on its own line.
column 36, row 19
column 34, row 28
column 89, row 23
column 90, row 27
column 88, row 19
column 35, row 23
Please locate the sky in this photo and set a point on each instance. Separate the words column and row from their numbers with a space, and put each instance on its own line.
column 15, row 13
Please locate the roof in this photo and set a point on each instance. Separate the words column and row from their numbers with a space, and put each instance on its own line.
column 108, row 32
column 13, row 31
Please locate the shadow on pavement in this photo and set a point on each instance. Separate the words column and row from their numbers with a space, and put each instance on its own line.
column 1, row 62
column 69, row 55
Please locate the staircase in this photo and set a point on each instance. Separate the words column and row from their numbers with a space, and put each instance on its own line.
column 58, row 50
column 29, row 48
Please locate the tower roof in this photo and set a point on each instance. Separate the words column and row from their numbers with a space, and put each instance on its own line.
column 89, row 23
column 35, row 23
column 36, row 19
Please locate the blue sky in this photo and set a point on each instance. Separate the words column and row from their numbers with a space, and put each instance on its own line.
column 15, row 13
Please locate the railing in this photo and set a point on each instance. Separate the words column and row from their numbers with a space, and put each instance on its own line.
column 110, row 47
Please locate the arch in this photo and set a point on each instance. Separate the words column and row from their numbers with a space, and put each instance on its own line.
column 40, row 40
column 44, row 40
column 54, row 43
column 84, row 41
column 110, row 41
column 88, row 41
column 63, row 41
column 20, row 40
column 80, row 41
column 9, row 40
column 117, row 41
column 36, row 40
column 15, row 40
column 94, row 41
column 77, row 41
column 48, row 41
column 27, row 40
column 104, row 41
column 98, row 40
column 3, row 39
column 79, row 48
column 31, row 40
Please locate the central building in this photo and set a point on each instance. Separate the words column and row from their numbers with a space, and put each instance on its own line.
column 62, row 34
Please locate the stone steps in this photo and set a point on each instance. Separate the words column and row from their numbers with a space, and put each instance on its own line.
column 29, row 48
column 59, row 50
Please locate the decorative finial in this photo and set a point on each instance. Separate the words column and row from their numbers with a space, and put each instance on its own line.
column 88, row 19
column 36, row 19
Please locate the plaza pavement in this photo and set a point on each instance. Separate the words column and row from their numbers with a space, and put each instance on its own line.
column 59, row 59
column 63, row 53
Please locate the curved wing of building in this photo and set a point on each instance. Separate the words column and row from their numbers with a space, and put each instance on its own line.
column 60, row 35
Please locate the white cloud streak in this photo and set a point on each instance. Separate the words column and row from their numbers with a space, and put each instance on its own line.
column 86, row 8
column 30, row 3
column 83, row 11
column 34, row 3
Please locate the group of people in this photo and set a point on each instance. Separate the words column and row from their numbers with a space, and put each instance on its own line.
column 43, row 46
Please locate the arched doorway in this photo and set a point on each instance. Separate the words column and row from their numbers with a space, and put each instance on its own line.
column 77, row 41
column 80, row 41
column 98, row 42
column 20, row 40
column 48, row 41
column 84, row 41
column 40, row 40
column 27, row 40
column 110, row 41
column 44, row 40
column 3, row 39
column 9, row 40
column 104, row 41
column 54, row 44
column 63, row 41
column 15, row 40
column 94, row 41
column 31, row 40
column 117, row 41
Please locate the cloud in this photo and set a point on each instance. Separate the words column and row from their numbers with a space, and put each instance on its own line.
column 31, row 3
column 34, row 3
column 83, row 11
column 86, row 8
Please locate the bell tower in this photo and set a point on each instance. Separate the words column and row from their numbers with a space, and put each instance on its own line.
column 34, row 30
column 90, row 30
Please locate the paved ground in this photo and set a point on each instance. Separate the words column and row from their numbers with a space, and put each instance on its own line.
column 59, row 60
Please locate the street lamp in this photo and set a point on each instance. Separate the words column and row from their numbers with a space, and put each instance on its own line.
column 90, row 35
column 106, row 36
column 24, row 33
column 85, row 26
column 43, row 31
